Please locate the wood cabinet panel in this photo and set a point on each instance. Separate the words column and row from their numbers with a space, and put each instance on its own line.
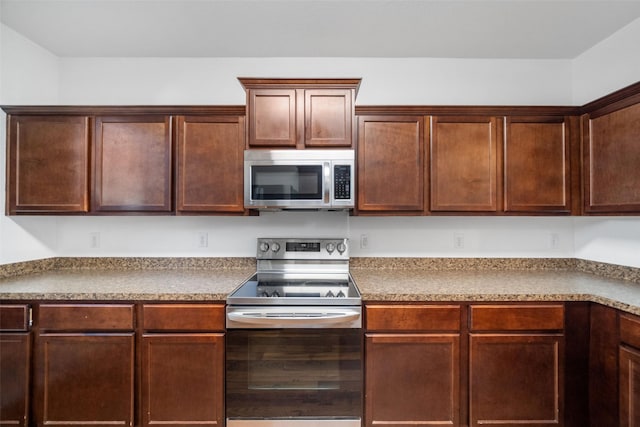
column 629, row 387
column 84, row 379
column 603, row 366
column 630, row 330
column 517, row 317
column 537, row 165
column 612, row 155
column 47, row 164
column 516, row 379
column 328, row 117
column 464, row 164
column 272, row 117
column 132, row 164
column 86, row 317
column 14, row 317
column 210, row 164
column 182, row 379
column 15, row 358
column 421, row 317
column 391, row 163
column 183, row 317
column 412, row 379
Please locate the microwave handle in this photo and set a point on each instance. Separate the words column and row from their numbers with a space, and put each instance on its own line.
column 327, row 182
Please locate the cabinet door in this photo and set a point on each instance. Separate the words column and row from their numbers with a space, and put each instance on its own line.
column 210, row 164
column 182, row 379
column 412, row 379
column 132, row 163
column 48, row 164
column 83, row 379
column 464, row 164
column 391, row 163
column 612, row 156
column 15, row 359
column 516, row 379
column 629, row 387
column 328, row 117
column 272, row 117
column 537, row 177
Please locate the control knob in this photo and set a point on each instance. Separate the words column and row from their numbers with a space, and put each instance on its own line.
column 264, row 247
column 275, row 247
column 330, row 247
column 342, row 247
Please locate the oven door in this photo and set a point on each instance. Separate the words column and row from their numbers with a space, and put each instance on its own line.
column 301, row 377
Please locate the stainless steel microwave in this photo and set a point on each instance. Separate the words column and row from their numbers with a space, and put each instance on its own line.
column 299, row 179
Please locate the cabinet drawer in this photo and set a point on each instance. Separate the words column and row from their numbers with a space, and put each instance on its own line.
column 630, row 330
column 517, row 317
column 86, row 317
column 183, row 317
column 412, row 317
column 14, row 317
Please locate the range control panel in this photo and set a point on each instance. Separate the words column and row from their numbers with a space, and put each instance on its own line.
column 314, row 249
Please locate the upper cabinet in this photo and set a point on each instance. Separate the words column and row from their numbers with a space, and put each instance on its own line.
column 300, row 113
column 537, row 153
column 210, row 160
column 611, row 147
column 391, row 164
column 47, row 164
column 132, row 164
column 464, row 163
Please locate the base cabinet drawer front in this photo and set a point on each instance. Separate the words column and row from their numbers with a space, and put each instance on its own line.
column 412, row 379
column 84, row 379
column 516, row 379
column 400, row 317
column 182, row 379
column 183, row 317
column 86, row 317
column 513, row 317
column 15, row 351
column 14, row 317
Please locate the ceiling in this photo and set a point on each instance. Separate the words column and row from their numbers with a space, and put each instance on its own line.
column 534, row 29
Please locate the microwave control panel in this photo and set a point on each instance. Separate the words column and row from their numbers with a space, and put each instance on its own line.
column 342, row 182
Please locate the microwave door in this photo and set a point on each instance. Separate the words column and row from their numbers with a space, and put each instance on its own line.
column 286, row 185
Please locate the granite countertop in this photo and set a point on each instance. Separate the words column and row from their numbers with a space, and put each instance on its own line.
column 397, row 280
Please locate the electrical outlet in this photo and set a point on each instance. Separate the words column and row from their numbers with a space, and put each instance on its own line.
column 554, row 240
column 94, row 240
column 458, row 241
column 203, row 239
column 364, row 241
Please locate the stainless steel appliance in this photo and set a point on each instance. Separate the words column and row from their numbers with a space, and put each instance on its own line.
column 299, row 179
column 294, row 339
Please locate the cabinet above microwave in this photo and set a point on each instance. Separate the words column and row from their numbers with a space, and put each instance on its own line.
column 300, row 113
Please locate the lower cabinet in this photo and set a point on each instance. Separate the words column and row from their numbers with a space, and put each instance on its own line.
column 182, row 365
column 629, row 371
column 412, row 365
column 84, row 365
column 516, row 365
column 15, row 356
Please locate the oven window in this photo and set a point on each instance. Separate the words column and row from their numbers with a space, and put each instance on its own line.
column 294, row 373
column 286, row 182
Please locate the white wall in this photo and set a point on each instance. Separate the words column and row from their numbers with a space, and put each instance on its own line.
column 608, row 66
column 28, row 75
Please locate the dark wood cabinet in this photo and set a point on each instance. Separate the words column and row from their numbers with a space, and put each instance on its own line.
column 412, row 365
column 299, row 113
column 47, row 164
column 182, row 365
column 391, row 164
column 516, row 365
column 84, row 365
column 15, row 361
column 210, row 164
column 629, row 371
column 611, row 149
column 537, row 164
column 465, row 164
column 132, row 164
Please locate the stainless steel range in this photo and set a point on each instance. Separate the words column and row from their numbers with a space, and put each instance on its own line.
column 294, row 338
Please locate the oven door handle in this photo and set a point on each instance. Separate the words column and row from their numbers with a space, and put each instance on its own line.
column 299, row 320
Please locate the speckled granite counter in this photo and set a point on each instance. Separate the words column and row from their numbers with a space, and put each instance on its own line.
column 391, row 279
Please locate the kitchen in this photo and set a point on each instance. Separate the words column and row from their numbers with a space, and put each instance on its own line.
column 31, row 75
